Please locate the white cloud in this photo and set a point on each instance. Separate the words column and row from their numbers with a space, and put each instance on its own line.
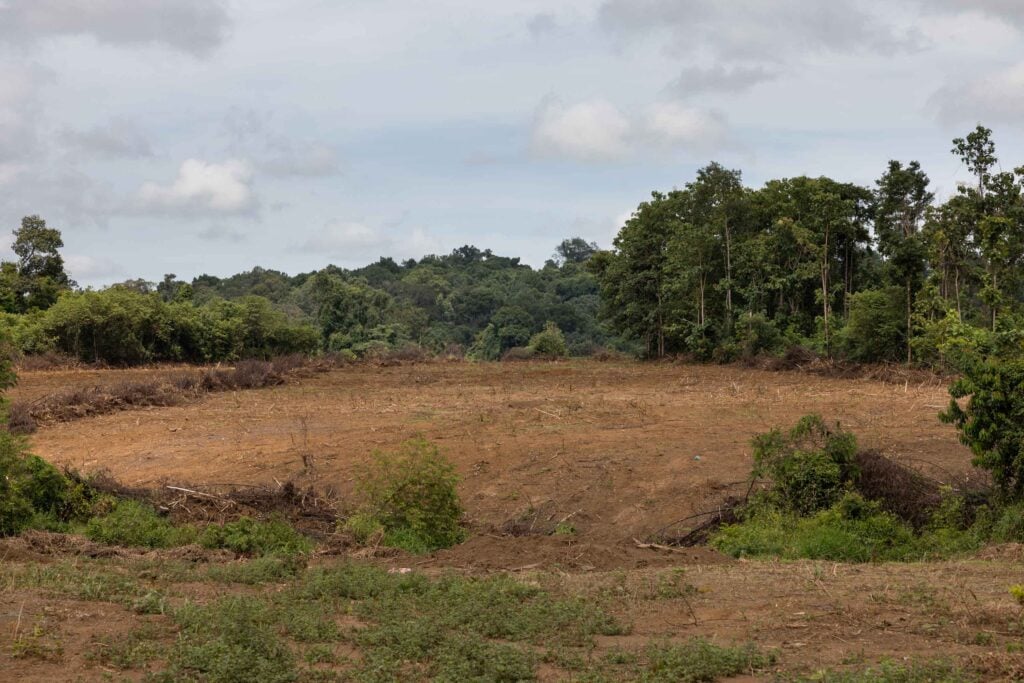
column 590, row 131
column 20, row 108
column 251, row 134
column 193, row 26
column 340, row 238
column 596, row 131
column 203, row 187
column 678, row 125
column 997, row 97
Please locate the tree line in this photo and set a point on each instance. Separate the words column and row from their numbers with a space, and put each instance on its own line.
column 470, row 301
column 884, row 273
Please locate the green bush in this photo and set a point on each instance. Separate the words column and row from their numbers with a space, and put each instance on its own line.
column 134, row 524
column 247, row 536
column 698, row 660
column 409, row 497
column 811, row 466
column 33, row 492
column 549, row 342
column 123, row 326
column 852, row 530
column 992, row 422
column 756, row 334
column 876, row 329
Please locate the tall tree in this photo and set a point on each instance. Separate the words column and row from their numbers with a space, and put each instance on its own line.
column 717, row 196
column 40, row 267
column 903, row 199
column 978, row 152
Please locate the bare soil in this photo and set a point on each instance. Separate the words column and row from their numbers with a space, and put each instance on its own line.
column 618, row 451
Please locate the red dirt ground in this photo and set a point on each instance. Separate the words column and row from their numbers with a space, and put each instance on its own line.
column 618, row 450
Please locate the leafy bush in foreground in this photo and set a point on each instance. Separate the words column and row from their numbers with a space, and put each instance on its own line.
column 814, row 511
column 34, row 492
column 810, row 466
column 409, row 499
column 992, row 423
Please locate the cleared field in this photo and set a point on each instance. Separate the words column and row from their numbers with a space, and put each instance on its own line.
column 619, row 450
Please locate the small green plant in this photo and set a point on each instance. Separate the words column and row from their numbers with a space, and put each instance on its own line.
column 564, row 529
column 1017, row 591
column 409, row 500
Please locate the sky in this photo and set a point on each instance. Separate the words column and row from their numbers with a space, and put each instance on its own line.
column 211, row 136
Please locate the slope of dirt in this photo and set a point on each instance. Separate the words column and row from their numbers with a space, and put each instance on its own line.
column 614, row 451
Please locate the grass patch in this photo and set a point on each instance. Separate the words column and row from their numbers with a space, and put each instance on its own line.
column 234, row 640
column 893, row 672
column 133, row 650
column 270, row 569
column 699, row 660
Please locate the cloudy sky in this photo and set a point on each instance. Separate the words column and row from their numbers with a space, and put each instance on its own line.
column 193, row 136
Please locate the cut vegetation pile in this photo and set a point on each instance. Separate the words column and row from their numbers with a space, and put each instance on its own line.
column 79, row 402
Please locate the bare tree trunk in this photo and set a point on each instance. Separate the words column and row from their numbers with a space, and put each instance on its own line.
column 728, row 275
column 910, row 356
column 956, row 287
column 824, row 295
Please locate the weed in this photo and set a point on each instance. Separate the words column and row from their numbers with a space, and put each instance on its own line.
column 247, row 536
column 232, row 640
column 269, row 569
column 129, row 651
column 700, row 660
column 132, row 523
column 564, row 529
column 810, row 466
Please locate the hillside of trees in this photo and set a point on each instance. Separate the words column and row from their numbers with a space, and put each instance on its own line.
column 470, row 301
column 714, row 270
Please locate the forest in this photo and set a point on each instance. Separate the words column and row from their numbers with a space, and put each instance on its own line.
column 713, row 270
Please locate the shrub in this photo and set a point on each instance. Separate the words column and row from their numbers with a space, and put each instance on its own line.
column 992, row 423
column 757, row 334
column 810, row 466
column 135, row 524
column 549, row 342
column 247, row 536
column 699, row 660
column 31, row 489
column 410, row 498
column 20, row 420
column 876, row 329
column 852, row 530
